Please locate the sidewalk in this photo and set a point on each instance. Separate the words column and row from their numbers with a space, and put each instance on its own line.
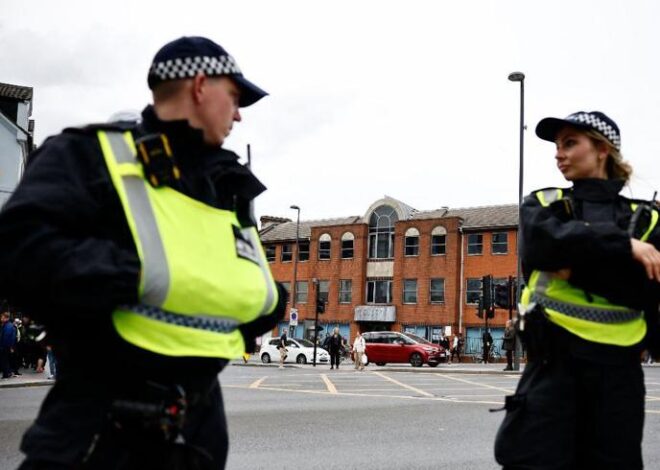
column 29, row 378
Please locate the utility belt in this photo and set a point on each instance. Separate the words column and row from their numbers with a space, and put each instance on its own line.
column 546, row 342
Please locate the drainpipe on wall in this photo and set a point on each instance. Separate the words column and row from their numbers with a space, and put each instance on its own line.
column 460, row 289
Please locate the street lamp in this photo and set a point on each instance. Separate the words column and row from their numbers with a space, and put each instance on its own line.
column 295, row 265
column 519, row 77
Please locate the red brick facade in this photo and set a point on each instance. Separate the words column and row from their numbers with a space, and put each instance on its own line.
column 456, row 266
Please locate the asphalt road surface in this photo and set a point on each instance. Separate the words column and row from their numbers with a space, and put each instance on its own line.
column 317, row 418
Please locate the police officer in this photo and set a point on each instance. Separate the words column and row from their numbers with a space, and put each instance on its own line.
column 136, row 246
column 591, row 268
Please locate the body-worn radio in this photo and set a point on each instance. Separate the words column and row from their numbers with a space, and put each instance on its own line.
column 158, row 161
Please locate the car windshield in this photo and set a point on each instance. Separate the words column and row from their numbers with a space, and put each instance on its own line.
column 418, row 339
column 305, row 343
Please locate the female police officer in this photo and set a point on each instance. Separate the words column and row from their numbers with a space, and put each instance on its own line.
column 592, row 268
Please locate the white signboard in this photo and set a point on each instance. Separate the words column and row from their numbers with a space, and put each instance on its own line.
column 293, row 317
column 385, row 313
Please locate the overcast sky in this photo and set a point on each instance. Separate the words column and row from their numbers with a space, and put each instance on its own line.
column 367, row 98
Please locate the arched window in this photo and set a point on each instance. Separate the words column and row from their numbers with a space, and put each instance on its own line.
column 381, row 232
column 347, row 240
column 411, row 247
column 438, row 241
column 325, row 242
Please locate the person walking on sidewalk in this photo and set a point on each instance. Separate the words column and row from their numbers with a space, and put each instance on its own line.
column 487, row 343
column 591, row 265
column 359, row 346
column 509, row 343
column 7, row 344
column 135, row 244
column 282, row 348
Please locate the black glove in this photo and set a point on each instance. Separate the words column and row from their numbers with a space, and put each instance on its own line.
column 257, row 327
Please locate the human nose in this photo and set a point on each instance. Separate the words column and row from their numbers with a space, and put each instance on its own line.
column 237, row 116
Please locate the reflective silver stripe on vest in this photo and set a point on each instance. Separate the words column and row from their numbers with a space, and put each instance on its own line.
column 155, row 270
column 265, row 270
column 594, row 314
column 198, row 322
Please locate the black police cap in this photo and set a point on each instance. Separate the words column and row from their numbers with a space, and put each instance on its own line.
column 189, row 55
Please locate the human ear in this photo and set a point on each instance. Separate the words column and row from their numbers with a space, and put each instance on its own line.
column 198, row 88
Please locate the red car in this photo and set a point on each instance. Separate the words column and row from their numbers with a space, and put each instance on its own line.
column 392, row 347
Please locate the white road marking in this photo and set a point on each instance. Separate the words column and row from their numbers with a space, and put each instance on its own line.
column 256, row 383
column 447, row 376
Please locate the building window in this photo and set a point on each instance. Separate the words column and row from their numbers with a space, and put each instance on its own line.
column 437, row 291
column 379, row 292
column 287, row 254
column 347, row 240
column 410, row 291
column 303, row 254
column 345, row 291
column 301, row 292
column 324, row 289
column 473, row 291
column 271, row 253
column 412, row 242
column 475, row 243
column 381, row 233
column 438, row 241
column 500, row 243
column 324, row 246
column 287, row 286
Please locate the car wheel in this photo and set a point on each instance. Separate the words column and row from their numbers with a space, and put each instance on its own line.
column 301, row 359
column 380, row 363
column 265, row 358
column 433, row 364
column 416, row 360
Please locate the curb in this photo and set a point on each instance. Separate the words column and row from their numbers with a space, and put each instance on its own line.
column 418, row 370
column 38, row 383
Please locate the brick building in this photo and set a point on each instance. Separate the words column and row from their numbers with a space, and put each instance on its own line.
column 395, row 268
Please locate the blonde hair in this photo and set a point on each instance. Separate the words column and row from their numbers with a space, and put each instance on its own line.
column 615, row 166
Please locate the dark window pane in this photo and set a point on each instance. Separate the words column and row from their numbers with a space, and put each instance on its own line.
column 287, row 253
column 271, row 251
column 437, row 294
column 500, row 243
column 324, row 250
column 475, row 244
column 347, row 249
column 303, row 255
column 438, row 244
column 412, row 246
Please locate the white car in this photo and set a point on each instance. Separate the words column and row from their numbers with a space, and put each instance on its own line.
column 299, row 350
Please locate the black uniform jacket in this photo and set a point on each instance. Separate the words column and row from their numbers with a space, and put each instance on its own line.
column 592, row 241
column 69, row 259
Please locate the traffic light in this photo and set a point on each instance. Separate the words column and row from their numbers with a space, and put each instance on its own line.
column 491, row 312
column 487, row 291
column 320, row 306
column 480, row 310
column 502, row 299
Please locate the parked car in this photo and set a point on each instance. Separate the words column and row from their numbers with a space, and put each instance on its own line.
column 300, row 351
column 393, row 347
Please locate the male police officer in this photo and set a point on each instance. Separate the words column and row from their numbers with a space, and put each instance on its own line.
column 135, row 245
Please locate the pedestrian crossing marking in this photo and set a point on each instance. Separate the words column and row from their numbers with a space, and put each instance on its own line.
column 476, row 384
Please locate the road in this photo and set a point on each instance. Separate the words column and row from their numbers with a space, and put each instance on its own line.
column 379, row 419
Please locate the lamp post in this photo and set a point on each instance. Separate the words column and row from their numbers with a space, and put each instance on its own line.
column 295, row 265
column 316, row 317
column 519, row 77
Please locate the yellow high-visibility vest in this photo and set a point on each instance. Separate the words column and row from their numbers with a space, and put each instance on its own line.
column 203, row 275
column 588, row 316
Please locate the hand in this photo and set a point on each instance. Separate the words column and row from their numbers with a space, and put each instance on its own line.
column 648, row 256
column 562, row 274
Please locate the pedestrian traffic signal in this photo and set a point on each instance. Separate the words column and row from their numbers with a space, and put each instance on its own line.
column 320, row 306
column 487, row 291
column 502, row 299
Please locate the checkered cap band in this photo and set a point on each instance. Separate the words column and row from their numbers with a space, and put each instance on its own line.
column 599, row 125
column 188, row 67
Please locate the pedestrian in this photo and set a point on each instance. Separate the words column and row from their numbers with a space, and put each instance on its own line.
column 135, row 245
column 335, row 346
column 282, row 348
column 591, row 265
column 359, row 347
column 7, row 344
column 487, row 343
column 509, row 343
column 456, row 346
